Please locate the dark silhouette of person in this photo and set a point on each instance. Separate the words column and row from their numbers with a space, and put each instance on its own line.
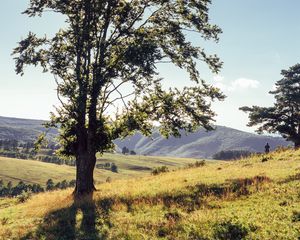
column 267, row 148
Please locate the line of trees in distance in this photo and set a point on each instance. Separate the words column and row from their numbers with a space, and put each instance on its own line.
column 8, row 190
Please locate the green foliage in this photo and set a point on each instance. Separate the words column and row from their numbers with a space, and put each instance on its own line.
column 114, row 168
column 60, row 185
column 33, row 150
column 173, row 216
column 108, row 166
column 296, row 216
column 24, row 196
column 93, row 66
column 22, row 190
column 283, row 117
column 197, row 164
column 49, row 185
column 128, row 166
column 230, row 231
column 234, row 203
column 159, row 170
column 40, row 142
column 132, row 152
column 125, row 150
column 231, row 154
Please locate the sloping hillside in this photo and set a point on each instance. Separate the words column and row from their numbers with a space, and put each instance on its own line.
column 31, row 172
column 22, row 129
column 201, row 144
column 254, row 198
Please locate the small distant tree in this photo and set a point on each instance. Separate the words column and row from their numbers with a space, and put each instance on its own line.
column 49, row 185
column 21, row 187
column 231, row 154
column 107, row 165
column 58, row 185
column 72, row 183
column 64, row 184
column 125, row 150
column 36, row 188
column 132, row 152
column 159, row 170
column 9, row 185
column 284, row 116
column 114, row 168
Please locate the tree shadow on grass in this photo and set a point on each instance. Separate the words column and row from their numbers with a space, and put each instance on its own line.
column 83, row 220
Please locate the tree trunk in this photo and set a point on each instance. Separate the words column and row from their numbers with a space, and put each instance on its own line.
column 85, row 164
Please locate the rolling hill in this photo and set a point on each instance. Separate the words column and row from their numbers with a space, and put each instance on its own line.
column 200, row 144
column 254, row 198
column 22, row 129
column 35, row 172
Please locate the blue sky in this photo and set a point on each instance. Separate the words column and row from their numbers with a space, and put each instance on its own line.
column 261, row 37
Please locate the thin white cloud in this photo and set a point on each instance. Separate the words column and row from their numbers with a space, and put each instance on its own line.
column 243, row 83
column 236, row 85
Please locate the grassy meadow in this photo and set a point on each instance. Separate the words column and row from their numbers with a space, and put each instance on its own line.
column 253, row 198
column 31, row 172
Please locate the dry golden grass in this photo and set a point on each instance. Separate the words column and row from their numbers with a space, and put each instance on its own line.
column 182, row 204
column 31, row 172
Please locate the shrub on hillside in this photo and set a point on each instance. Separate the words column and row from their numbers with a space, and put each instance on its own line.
column 24, row 196
column 72, row 183
column 132, row 152
column 197, row 164
column 50, row 185
column 230, row 231
column 114, row 168
column 20, row 189
column 231, row 154
column 159, row 170
column 296, row 217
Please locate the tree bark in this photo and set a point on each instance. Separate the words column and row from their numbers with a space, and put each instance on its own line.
column 85, row 164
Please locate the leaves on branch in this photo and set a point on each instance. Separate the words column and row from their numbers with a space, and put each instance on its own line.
column 106, row 58
column 284, row 116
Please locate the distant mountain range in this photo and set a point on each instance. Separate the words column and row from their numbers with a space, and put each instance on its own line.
column 22, row 129
column 200, row 144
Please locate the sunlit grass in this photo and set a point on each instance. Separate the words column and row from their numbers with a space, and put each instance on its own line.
column 31, row 172
column 173, row 205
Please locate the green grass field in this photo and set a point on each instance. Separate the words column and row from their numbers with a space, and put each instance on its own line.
column 253, row 198
column 15, row 170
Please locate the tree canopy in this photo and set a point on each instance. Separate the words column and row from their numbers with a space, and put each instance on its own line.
column 284, row 116
column 105, row 63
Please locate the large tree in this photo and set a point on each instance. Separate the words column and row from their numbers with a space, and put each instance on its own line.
column 105, row 64
column 284, row 116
